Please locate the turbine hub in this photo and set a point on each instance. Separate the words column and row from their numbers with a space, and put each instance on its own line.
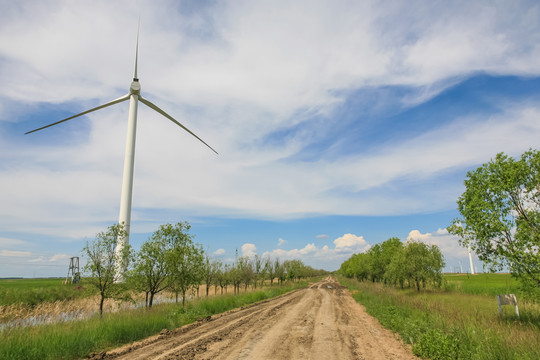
column 135, row 87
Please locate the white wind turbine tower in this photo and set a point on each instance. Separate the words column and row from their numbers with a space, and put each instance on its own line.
column 134, row 97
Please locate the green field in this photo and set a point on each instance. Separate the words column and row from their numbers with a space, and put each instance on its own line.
column 459, row 321
column 31, row 292
column 485, row 284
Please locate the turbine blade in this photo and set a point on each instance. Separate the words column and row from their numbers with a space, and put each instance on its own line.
column 152, row 106
column 135, row 78
column 120, row 99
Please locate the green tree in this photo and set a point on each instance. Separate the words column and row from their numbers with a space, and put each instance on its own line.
column 103, row 262
column 500, row 215
column 279, row 271
column 185, row 258
column 209, row 270
column 389, row 249
column 422, row 263
column 270, row 269
column 246, row 271
column 396, row 271
column 151, row 272
column 259, row 269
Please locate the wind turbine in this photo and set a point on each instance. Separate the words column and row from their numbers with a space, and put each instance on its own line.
column 134, row 96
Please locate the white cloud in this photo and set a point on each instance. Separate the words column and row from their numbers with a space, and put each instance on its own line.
column 281, row 242
column 448, row 243
column 59, row 257
column 249, row 250
column 324, row 257
column 9, row 253
column 351, row 243
column 39, row 259
column 219, row 252
column 322, row 236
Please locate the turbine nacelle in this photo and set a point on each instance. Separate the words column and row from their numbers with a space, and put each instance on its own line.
column 135, row 88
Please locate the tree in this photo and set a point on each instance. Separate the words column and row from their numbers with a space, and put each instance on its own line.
column 270, row 270
column 151, row 272
column 103, row 262
column 389, row 249
column 421, row 263
column 396, row 271
column 259, row 268
column 500, row 211
column 210, row 269
column 246, row 271
column 184, row 259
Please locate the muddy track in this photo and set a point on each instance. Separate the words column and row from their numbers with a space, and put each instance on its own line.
column 319, row 322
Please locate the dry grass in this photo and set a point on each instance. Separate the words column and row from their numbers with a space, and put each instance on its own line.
column 82, row 308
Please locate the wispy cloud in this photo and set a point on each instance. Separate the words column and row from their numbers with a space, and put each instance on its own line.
column 9, row 253
column 269, row 96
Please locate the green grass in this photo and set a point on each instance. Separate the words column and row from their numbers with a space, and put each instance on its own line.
column 483, row 284
column 78, row 339
column 441, row 324
column 31, row 292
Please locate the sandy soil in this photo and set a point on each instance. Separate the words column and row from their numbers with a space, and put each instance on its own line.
column 320, row 322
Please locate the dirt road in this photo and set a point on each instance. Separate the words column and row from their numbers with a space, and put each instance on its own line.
column 320, row 322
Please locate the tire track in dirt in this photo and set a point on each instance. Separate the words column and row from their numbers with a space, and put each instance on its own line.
column 319, row 322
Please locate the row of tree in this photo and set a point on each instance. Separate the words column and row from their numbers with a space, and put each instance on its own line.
column 393, row 262
column 171, row 260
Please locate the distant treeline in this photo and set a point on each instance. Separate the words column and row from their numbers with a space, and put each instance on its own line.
column 393, row 262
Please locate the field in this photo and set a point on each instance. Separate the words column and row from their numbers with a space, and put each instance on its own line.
column 460, row 321
column 31, row 292
column 482, row 284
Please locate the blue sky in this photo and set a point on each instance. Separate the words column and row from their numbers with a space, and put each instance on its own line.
column 339, row 124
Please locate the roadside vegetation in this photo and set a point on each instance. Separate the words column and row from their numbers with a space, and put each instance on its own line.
column 78, row 339
column 459, row 320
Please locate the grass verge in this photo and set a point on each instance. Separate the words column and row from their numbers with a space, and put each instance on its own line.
column 80, row 338
column 450, row 325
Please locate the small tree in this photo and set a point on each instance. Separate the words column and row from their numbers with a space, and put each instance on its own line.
column 500, row 211
column 246, row 271
column 209, row 272
column 151, row 272
column 103, row 261
column 185, row 258
column 270, row 270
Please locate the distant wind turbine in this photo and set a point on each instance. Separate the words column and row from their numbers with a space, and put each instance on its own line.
column 134, row 97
